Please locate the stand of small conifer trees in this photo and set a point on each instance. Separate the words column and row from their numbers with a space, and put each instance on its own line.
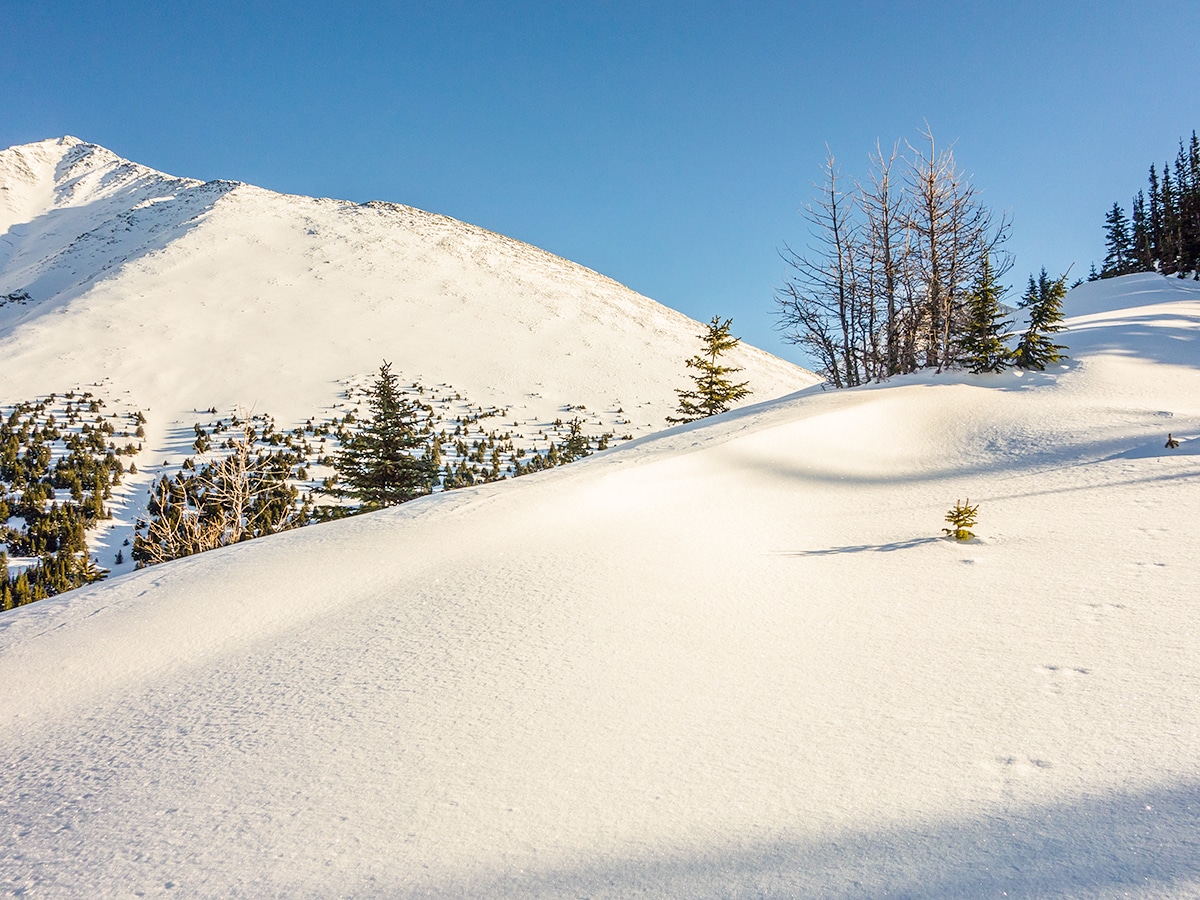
column 52, row 530
column 243, row 495
column 244, row 481
column 1163, row 232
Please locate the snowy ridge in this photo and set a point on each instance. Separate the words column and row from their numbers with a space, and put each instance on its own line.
column 67, row 201
column 736, row 659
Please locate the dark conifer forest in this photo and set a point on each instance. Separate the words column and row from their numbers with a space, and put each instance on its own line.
column 1161, row 232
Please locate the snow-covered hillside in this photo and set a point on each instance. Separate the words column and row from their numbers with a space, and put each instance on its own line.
column 191, row 295
column 733, row 659
column 174, row 297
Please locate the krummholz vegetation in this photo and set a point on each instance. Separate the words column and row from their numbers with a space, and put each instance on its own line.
column 63, row 455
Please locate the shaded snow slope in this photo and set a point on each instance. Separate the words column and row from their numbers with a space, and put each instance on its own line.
column 190, row 295
column 733, row 659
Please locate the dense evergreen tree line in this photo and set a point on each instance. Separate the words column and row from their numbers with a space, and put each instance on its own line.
column 41, row 459
column 1162, row 233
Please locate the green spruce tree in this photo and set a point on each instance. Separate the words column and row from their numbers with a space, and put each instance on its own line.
column 1143, row 253
column 982, row 347
column 1043, row 299
column 714, row 391
column 377, row 465
column 1119, row 255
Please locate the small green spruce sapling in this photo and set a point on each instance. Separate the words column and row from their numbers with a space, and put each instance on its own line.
column 962, row 517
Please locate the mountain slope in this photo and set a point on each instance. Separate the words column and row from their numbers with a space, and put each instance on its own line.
column 192, row 303
column 733, row 659
column 191, row 295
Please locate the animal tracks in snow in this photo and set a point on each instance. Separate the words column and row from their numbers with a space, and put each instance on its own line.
column 1098, row 613
column 1057, row 676
column 1019, row 765
column 1009, row 771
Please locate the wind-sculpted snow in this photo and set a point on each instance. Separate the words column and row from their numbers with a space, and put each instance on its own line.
column 736, row 658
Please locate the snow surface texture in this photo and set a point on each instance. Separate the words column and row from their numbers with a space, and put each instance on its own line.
column 734, row 659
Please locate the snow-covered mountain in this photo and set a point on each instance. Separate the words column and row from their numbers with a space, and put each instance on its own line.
column 189, row 302
column 190, row 295
column 732, row 659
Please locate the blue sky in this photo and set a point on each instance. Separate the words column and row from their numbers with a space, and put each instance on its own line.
column 668, row 145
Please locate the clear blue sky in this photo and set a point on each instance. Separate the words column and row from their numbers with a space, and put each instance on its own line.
column 668, row 145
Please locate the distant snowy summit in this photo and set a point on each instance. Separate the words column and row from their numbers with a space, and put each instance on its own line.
column 193, row 294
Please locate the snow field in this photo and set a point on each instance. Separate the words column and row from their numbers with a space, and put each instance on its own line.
column 734, row 659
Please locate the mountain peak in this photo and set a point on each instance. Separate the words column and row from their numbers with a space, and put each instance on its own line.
column 192, row 293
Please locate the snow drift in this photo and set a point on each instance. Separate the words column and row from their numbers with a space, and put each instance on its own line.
column 732, row 659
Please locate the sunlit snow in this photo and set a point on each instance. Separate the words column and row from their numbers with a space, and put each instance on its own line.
column 736, row 658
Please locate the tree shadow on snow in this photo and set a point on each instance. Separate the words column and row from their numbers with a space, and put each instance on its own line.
column 865, row 548
column 1131, row 842
column 1170, row 336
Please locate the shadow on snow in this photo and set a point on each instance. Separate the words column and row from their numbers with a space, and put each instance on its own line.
column 1127, row 842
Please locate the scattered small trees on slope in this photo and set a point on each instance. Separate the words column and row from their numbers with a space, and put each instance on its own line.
column 714, row 391
column 243, row 495
column 58, row 467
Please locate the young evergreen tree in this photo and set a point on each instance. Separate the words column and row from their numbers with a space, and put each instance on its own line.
column 981, row 346
column 377, row 466
column 1118, row 244
column 1043, row 299
column 962, row 517
column 714, row 391
column 1143, row 252
column 1168, row 249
